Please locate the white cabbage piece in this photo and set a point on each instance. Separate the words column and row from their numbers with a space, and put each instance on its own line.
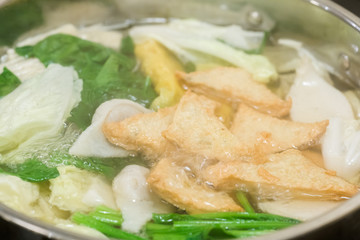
column 187, row 37
column 79, row 190
column 92, row 142
column 36, row 110
column 23, row 68
column 313, row 98
column 44, row 211
column 298, row 209
column 353, row 96
column 96, row 33
column 134, row 198
column 341, row 148
column 100, row 34
column 18, row 194
column 70, row 226
column 233, row 35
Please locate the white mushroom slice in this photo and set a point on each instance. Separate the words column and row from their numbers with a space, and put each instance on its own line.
column 134, row 198
column 92, row 142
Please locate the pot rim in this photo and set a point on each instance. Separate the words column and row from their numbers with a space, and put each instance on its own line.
column 332, row 216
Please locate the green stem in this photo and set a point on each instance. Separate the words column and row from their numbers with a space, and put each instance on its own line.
column 107, row 215
column 170, row 218
column 244, row 202
column 104, row 228
column 233, row 225
column 246, row 233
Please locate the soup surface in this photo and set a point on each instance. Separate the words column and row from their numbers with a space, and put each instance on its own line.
column 181, row 130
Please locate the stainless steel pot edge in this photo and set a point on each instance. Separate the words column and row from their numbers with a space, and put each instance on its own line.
column 338, row 11
column 288, row 233
column 39, row 227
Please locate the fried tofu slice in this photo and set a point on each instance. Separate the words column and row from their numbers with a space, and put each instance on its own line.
column 142, row 133
column 196, row 129
column 172, row 183
column 236, row 85
column 286, row 174
column 271, row 134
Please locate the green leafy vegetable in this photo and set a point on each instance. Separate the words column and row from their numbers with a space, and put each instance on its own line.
column 127, row 46
column 244, row 202
column 31, row 170
column 246, row 233
column 215, row 225
column 107, row 215
column 8, row 82
column 108, row 167
column 106, row 221
column 18, row 18
column 106, row 73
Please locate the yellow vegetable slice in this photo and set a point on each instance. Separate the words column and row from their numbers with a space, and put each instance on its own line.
column 160, row 65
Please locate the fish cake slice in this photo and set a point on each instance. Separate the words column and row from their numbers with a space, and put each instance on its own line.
column 236, row 85
column 142, row 133
column 271, row 134
column 286, row 174
column 195, row 129
column 172, row 183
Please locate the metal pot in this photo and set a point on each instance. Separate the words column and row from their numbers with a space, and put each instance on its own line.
column 323, row 22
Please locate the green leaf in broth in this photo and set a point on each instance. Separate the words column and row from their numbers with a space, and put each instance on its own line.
column 109, row 167
column 26, row 51
column 8, row 82
column 17, row 18
column 127, row 46
column 106, row 73
column 31, row 170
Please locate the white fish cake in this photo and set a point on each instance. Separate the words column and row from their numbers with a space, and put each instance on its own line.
column 92, row 142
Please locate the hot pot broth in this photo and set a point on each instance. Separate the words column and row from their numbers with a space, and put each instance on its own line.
column 173, row 131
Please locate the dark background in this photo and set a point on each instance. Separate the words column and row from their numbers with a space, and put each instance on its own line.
column 352, row 5
column 346, row 229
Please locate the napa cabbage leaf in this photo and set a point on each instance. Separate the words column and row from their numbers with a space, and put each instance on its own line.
column 187, row 38
column 38, row 108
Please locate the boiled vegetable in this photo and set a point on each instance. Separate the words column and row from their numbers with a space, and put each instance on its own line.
column 106, row 73
column 37, row 109
column 105, row 223
column 31, row 170
column 8, row 82
column 79, row 190
column 186, row 39
column 18, row 18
